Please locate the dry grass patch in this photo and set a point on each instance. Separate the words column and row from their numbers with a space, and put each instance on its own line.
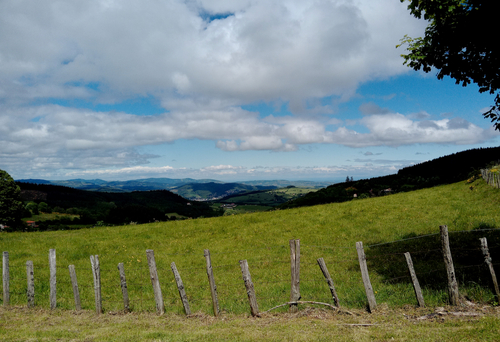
column 309, row 324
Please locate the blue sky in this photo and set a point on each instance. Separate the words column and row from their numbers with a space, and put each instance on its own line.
column 228, row 90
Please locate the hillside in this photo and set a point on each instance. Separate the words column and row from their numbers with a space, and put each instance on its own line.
column 148, row 184
column 100, row 185
column 214, row 191
column 116, row 208
column 329, row 231
column 267, row 198
column 443, row 170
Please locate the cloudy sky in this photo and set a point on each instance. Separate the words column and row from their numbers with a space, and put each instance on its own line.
column 222, row 89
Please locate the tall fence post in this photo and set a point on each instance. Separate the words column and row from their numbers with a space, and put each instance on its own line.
column 74, row 285
column 211, row 280
column 6, row 278
column 53, row 280
column 326, row 274
column 487, row 260
column 247, row 279
column 123, row 285
column 414, row 280
column 180, row 287
column 450, row 269
column 160, row 308
column 30, row 291
column 295, row 274
column 96, row 271
column 372, row 304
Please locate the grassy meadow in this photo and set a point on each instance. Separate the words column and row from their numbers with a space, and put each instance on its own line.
column 270, row 198
column 329, row 231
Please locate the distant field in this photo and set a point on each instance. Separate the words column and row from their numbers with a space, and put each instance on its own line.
column 269, row 198
column 50, row 216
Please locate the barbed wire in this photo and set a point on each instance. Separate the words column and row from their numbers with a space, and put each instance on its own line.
column 230, row 290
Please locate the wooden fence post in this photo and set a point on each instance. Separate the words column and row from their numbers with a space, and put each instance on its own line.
column 450, row 269
column 372, row 304
column 74, row 285
column 247, row 279
column 295, row 273
column 30, row 291
column 96, row 271
column 123, row 285
column 211, row 281
column 180, row 287
column 324, row 269
column 53, row 280
column 6, row 278
column 487, row 259
column 160, row 308
column 414, row 280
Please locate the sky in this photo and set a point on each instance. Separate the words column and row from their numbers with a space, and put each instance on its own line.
column 233, row 90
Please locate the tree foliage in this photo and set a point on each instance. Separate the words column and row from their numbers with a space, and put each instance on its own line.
column 460, row 41
column 11, row 206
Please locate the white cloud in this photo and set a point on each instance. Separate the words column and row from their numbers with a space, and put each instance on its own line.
column 202, row 72
column 71, row 138
column 291, row 50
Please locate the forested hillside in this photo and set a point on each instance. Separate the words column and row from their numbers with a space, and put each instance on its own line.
column 116, row 208
column 443, row 170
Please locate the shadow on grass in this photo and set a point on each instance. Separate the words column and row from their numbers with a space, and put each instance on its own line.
column 388, row 260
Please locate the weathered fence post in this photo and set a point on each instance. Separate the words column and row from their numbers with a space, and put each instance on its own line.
column 487, row 260
column 53, row 280
column 414, row 280
column 96, row 271
column 450, row 269
column 372, row 304
column 74, row 285
column 30, row 291
column 123, row 285
column 247, row 279
column 6, row 278
column 324, row 269
column 211, row 280
column 160, row 308
column 180, row 287
column 295, row 273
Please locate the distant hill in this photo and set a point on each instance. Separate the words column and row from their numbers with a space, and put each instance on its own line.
column 121, row 186
column 214, row 191
column 210, row 191
column 444, row 170
column 137, row 206
column 285, row 183
column 267, row 198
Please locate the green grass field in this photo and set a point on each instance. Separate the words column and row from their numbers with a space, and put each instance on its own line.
column 269, row 198
column 328, row 231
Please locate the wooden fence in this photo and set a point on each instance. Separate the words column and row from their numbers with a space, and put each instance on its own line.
column 491, row 178
column 295, row 295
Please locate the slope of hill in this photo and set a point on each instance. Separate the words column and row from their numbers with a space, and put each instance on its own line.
column 328, row 231
column 214, row 191
column 443, row 170
column 137, row 206
column 147, row 184
column 267, row 198
column 121, row 186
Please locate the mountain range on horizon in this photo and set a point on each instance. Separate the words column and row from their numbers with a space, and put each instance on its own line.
column 170, row 184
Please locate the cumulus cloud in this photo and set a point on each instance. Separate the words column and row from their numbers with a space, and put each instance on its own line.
column 290, row 50
column 203, row 61
column 76, row 134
